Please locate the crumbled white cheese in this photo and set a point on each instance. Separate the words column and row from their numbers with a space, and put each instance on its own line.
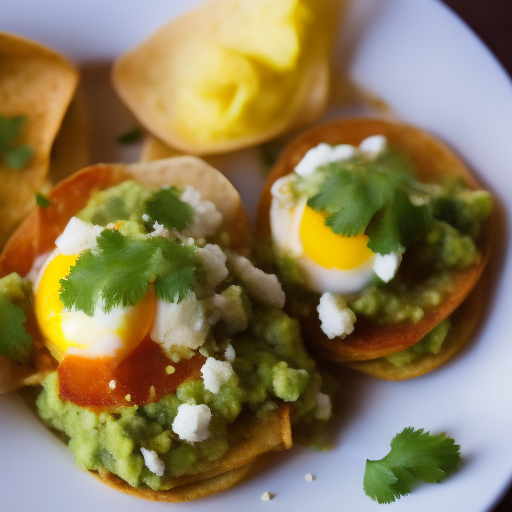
column 112, row 384
column 207, row 219
column 321, row 155
column 267, row 496
column 323, row 406
column 264, row 288
column 145, row 217
column 342, row 152
column 309, row 477
column 183, row 323
column 153, row 462
column 231, row 307
column 78, row 236
column 337, row 320
column 230, row 353
column 213, row 261
column 372, row 146
column 215, row 373
column 159, row 230
column 191, row 422
column 386, row 266
column 419, row 200
column 314, row 158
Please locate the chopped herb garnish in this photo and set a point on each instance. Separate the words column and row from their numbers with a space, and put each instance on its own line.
column 131, row 137
column 14, row 341
column 372, row 198
column 415, row 455
column 42, row 201
column 14, row 155
column 166, row 207
column 120, row 271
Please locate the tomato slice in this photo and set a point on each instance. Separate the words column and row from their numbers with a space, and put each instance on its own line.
column 141, row 378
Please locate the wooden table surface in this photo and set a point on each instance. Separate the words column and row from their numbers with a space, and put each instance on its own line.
column 492, row 22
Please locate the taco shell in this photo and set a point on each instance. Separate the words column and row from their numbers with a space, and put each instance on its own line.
column 432, row 160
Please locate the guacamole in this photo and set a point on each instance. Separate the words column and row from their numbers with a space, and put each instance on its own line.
column 15, row 309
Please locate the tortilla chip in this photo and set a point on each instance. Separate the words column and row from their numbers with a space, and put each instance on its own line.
column 251, row 442
column 39, row 83
column 37, row 234
column 70, row 150
column 432, row 160
column 154, row 78
column 154, row 149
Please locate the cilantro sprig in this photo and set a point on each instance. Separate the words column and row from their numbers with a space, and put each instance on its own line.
column 415, row 455
column 166, row 207
column 372, row 198
column 15, row 343
column 15, row 156
column 121, row 269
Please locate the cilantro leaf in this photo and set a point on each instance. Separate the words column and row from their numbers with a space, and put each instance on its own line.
column 372, row 198
column 166, row 207
column 14, row 155
column 18, row 157
column 131, row 137
column 42, row 201
column 121, row 269
column 14, row 341
column 415, row 455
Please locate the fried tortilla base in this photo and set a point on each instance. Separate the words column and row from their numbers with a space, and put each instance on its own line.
column 463, row 322
column 37, row 234
column 433, row 161
column 251, row 441
column 38, row 83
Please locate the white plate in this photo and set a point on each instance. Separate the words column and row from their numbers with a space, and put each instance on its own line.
column 429, row 67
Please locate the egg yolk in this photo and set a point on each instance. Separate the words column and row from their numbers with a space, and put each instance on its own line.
column 113, row 335
column 326, row 248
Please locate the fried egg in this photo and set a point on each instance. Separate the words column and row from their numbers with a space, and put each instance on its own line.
column 330, row 262
column 114, row 334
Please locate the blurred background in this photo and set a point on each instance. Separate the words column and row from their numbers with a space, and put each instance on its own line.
column 492, row 22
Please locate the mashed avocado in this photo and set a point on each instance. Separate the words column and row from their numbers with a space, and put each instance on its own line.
column 14, row 288
column 429, row 344
column 122, row 202
column 270, row 365
column 15, row 308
